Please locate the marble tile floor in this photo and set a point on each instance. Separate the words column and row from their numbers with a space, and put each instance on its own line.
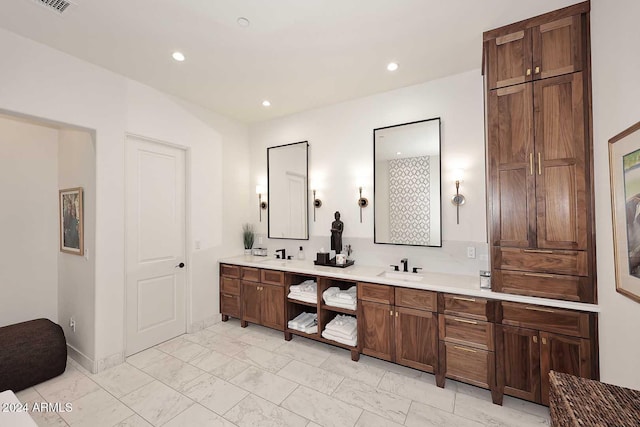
column 231, row 376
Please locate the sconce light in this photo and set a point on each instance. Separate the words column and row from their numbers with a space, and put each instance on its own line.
column 262, row 205
column 316, row 204
column 363, row 202
column 458, row 199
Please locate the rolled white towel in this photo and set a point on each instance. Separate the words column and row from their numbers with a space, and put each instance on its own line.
column 349, row 294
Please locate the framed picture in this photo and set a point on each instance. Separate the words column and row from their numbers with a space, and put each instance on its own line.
column 71, row 221
column 624, row 171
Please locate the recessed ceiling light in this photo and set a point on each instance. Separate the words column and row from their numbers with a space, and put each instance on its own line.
column 266, row 103
column 392, row 66
column 243, row 22
column 398, row 153
column 178, row 56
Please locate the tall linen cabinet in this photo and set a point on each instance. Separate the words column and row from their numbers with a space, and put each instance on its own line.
column 540, row 197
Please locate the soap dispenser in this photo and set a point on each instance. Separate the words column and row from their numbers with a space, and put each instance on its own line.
column 300, row 253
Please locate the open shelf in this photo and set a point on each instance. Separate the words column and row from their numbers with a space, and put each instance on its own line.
column 305, row 303
column 314, row 336
column 336, row 343
column 324, row 306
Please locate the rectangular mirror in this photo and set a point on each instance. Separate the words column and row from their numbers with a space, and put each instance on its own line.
column 287, row 173
column 407, row 195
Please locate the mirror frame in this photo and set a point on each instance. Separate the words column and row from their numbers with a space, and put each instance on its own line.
column 306, row 192
column 375, row 200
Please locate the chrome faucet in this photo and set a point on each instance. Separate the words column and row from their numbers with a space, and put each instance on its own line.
column 405, row 265
column 283, row 256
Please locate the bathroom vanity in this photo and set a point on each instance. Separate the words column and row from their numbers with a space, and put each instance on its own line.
column 438, row 323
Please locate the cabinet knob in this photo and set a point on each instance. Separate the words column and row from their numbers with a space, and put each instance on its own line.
column 528, row 71
column 390, row 312
column 537, row 70
column 535, row 339
column 544, row 341
column 396, row 314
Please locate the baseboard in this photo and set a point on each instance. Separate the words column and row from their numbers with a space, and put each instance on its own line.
column 81, row 359
column 203, row 324
column 110, row 361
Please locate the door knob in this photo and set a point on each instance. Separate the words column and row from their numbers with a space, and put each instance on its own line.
column 181, row 265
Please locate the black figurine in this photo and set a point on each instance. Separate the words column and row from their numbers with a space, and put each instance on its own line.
column 336, row 233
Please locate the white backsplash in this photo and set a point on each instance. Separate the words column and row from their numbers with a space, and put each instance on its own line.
column 450, row 258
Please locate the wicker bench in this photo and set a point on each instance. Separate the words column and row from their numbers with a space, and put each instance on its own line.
column 30, row 353
column 577, row 401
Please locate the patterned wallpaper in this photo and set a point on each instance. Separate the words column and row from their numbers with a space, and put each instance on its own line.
column 409, row 201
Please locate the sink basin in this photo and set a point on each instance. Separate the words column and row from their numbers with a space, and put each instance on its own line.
column 396, row 275
column 277, row 262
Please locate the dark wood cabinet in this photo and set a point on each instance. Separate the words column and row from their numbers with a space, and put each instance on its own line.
column 539, row 162
column 519, row 362
column 399, row 325
column 272, row 306
column 230, row 304
column 251, row 302
column 546, row 46
column 533, row 340
column 376, row 331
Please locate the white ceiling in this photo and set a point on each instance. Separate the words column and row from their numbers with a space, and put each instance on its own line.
column 299, row 54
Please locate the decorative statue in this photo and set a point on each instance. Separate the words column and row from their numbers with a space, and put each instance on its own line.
column 336, row 233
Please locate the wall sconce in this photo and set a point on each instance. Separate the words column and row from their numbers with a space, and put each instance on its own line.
column 363, row 202
column 458, row 199
column 262, row 205
column 316, row 204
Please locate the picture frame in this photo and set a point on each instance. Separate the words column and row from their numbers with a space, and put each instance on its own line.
column 624, row 174
column 72, row 221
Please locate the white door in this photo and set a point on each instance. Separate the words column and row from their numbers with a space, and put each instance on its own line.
column 155, row 243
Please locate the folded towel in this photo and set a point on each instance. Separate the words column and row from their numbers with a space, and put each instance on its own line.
column 334, row 302
column 303, row 320
column 328, row 335
column 330, row 292
column 349, row 294
column 344, row 324
column 311, row 298
column 306, row 286
column 341, row 335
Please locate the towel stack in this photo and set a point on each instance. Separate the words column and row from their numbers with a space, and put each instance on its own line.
column 306, row 291
column 305, row 322
column 336, row 297
column 342, row 329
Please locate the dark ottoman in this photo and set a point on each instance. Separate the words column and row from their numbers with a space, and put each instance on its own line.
column 30, row 353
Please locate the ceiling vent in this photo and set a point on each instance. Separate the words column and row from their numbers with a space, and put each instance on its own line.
column 58, row 6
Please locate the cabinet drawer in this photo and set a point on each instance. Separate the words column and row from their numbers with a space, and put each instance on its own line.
column 460, row 305
column 375, row 293
column 474, row 333
column 230, row 286
column 273, row 277
column 567, row 322
column 230, row 305
column 414, row 298
column 555, row 286
column 250, row 274
column 230, row 270
column 541, row 260
column 469, row 364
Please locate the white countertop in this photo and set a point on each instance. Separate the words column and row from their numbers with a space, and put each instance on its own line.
column 440, row 282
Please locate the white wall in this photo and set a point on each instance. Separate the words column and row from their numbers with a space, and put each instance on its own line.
column 28, row 221
column 616, row 106
column 87, row 96
column 341, row 159
column 76, row 274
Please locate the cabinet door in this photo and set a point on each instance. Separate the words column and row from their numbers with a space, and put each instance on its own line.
column 511, row 166
column 518, row 369
column 557, row 47
column 564, row 354
column 416, row 338
column 251, row 302
column 509, row 59
column 376, row 331
column 272, row 306
column 561, row 187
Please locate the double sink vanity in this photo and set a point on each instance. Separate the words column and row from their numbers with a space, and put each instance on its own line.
column 541, row 315
column 435, row 322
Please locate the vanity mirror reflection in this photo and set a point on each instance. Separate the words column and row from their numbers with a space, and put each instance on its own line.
column 287, row 174
column 407, row 194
